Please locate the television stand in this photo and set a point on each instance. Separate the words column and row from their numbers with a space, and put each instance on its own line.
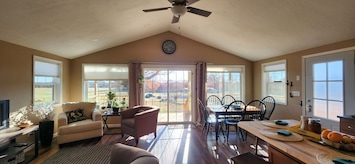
column 9, row 130
column 15, row 151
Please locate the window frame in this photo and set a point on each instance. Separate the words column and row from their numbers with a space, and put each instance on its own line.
column 264, row 79
column 229, row 69
column 109, row 77
column 57, row 86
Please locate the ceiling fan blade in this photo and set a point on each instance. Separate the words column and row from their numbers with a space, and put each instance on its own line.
column 156, row 9
column 175, row 19
column 176, row 1
column 191, row 1
column 198, row 11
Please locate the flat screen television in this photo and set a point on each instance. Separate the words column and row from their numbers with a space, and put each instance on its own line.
column 4, row 114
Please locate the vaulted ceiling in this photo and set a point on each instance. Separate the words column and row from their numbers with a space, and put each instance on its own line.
column 252, row 29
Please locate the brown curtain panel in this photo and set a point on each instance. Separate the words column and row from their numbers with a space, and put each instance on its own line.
column 201, row 78
column 135, row 88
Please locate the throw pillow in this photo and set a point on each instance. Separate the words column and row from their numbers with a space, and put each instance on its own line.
column 75, row 115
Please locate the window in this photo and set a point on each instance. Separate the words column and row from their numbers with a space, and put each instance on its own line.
column 225, row 80
column 99, row 79
column 47, row 80
column 274, row 81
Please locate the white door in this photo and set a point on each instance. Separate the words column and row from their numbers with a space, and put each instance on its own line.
column 329, row 87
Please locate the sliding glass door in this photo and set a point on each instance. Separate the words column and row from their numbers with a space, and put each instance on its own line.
column 170, row 88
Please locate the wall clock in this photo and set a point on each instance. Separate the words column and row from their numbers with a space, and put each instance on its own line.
column 169, row 47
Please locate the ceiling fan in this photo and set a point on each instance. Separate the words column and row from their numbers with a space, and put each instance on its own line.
column 180, row 7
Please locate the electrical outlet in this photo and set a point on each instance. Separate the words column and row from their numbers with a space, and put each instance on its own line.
column 295, row 93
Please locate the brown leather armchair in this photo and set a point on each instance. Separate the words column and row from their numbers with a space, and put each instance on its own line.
column 139, row 121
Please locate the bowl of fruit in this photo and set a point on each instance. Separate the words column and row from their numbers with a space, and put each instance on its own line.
column 338, row 140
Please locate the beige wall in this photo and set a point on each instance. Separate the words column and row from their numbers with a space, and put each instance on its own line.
column 16, row 74
column 149, row 50
column 16, row 67
column 294, row 68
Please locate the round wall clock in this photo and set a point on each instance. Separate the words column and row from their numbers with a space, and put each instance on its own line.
column 169, row 47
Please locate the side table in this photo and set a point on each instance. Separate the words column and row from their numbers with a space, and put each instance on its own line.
column 106, row 115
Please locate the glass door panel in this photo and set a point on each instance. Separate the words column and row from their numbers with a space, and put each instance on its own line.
column 170, row 89
column 329, row 88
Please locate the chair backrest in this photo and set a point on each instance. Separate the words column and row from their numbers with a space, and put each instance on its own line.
column 227, row 99
column 256, row 104
column 236, row 105
column 203, row 112
column 213, row 100
column 269, row 102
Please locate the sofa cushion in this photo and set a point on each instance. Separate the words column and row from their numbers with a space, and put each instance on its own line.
column 88, row 107
column 75, row 115
column 80, row 126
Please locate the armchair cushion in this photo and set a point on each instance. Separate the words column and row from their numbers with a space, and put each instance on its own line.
column 80, row 126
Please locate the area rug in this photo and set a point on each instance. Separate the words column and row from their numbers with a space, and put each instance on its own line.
column 80, row 155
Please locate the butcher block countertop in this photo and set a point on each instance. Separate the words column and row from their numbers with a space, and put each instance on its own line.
column 305, row 150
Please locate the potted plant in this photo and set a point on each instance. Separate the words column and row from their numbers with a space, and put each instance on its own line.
column 110, row 96
column 45, row 113
column 116, row 106
column 140, row 79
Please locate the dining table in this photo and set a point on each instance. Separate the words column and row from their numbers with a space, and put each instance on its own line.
column 220, row 110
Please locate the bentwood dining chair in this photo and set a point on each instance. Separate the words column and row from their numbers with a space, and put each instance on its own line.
column 207, row 119
column 269, row 102
column 227, row 99
column 258, row 107
column 258, row 115
column 232, row 120
column 213, row 100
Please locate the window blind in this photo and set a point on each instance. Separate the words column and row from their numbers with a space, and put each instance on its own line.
column 105, row 71
column 46, row 69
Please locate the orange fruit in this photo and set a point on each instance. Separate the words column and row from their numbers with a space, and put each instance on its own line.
column 335, row 136
column 325, row 133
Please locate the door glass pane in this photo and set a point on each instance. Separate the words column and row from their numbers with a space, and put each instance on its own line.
column 155, row 91
column 335, row 91
column 320, row 71
column 170, row 90
column 320, row 108
column 335, row 109
column 320, row 90
column 335, row 71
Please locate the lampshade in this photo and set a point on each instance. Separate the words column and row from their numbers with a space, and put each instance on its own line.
column 178, row 10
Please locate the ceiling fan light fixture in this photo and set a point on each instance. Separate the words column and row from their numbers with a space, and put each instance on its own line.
column 178, row 10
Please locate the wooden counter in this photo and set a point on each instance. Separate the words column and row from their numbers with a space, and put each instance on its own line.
column 304, row 151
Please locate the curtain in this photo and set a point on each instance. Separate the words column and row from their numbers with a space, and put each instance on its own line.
column 135, row 87
column 201, row 78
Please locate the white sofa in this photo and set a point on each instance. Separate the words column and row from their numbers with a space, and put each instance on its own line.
column 91, row 127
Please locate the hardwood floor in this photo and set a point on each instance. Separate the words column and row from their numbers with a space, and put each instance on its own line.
column 174, row 144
